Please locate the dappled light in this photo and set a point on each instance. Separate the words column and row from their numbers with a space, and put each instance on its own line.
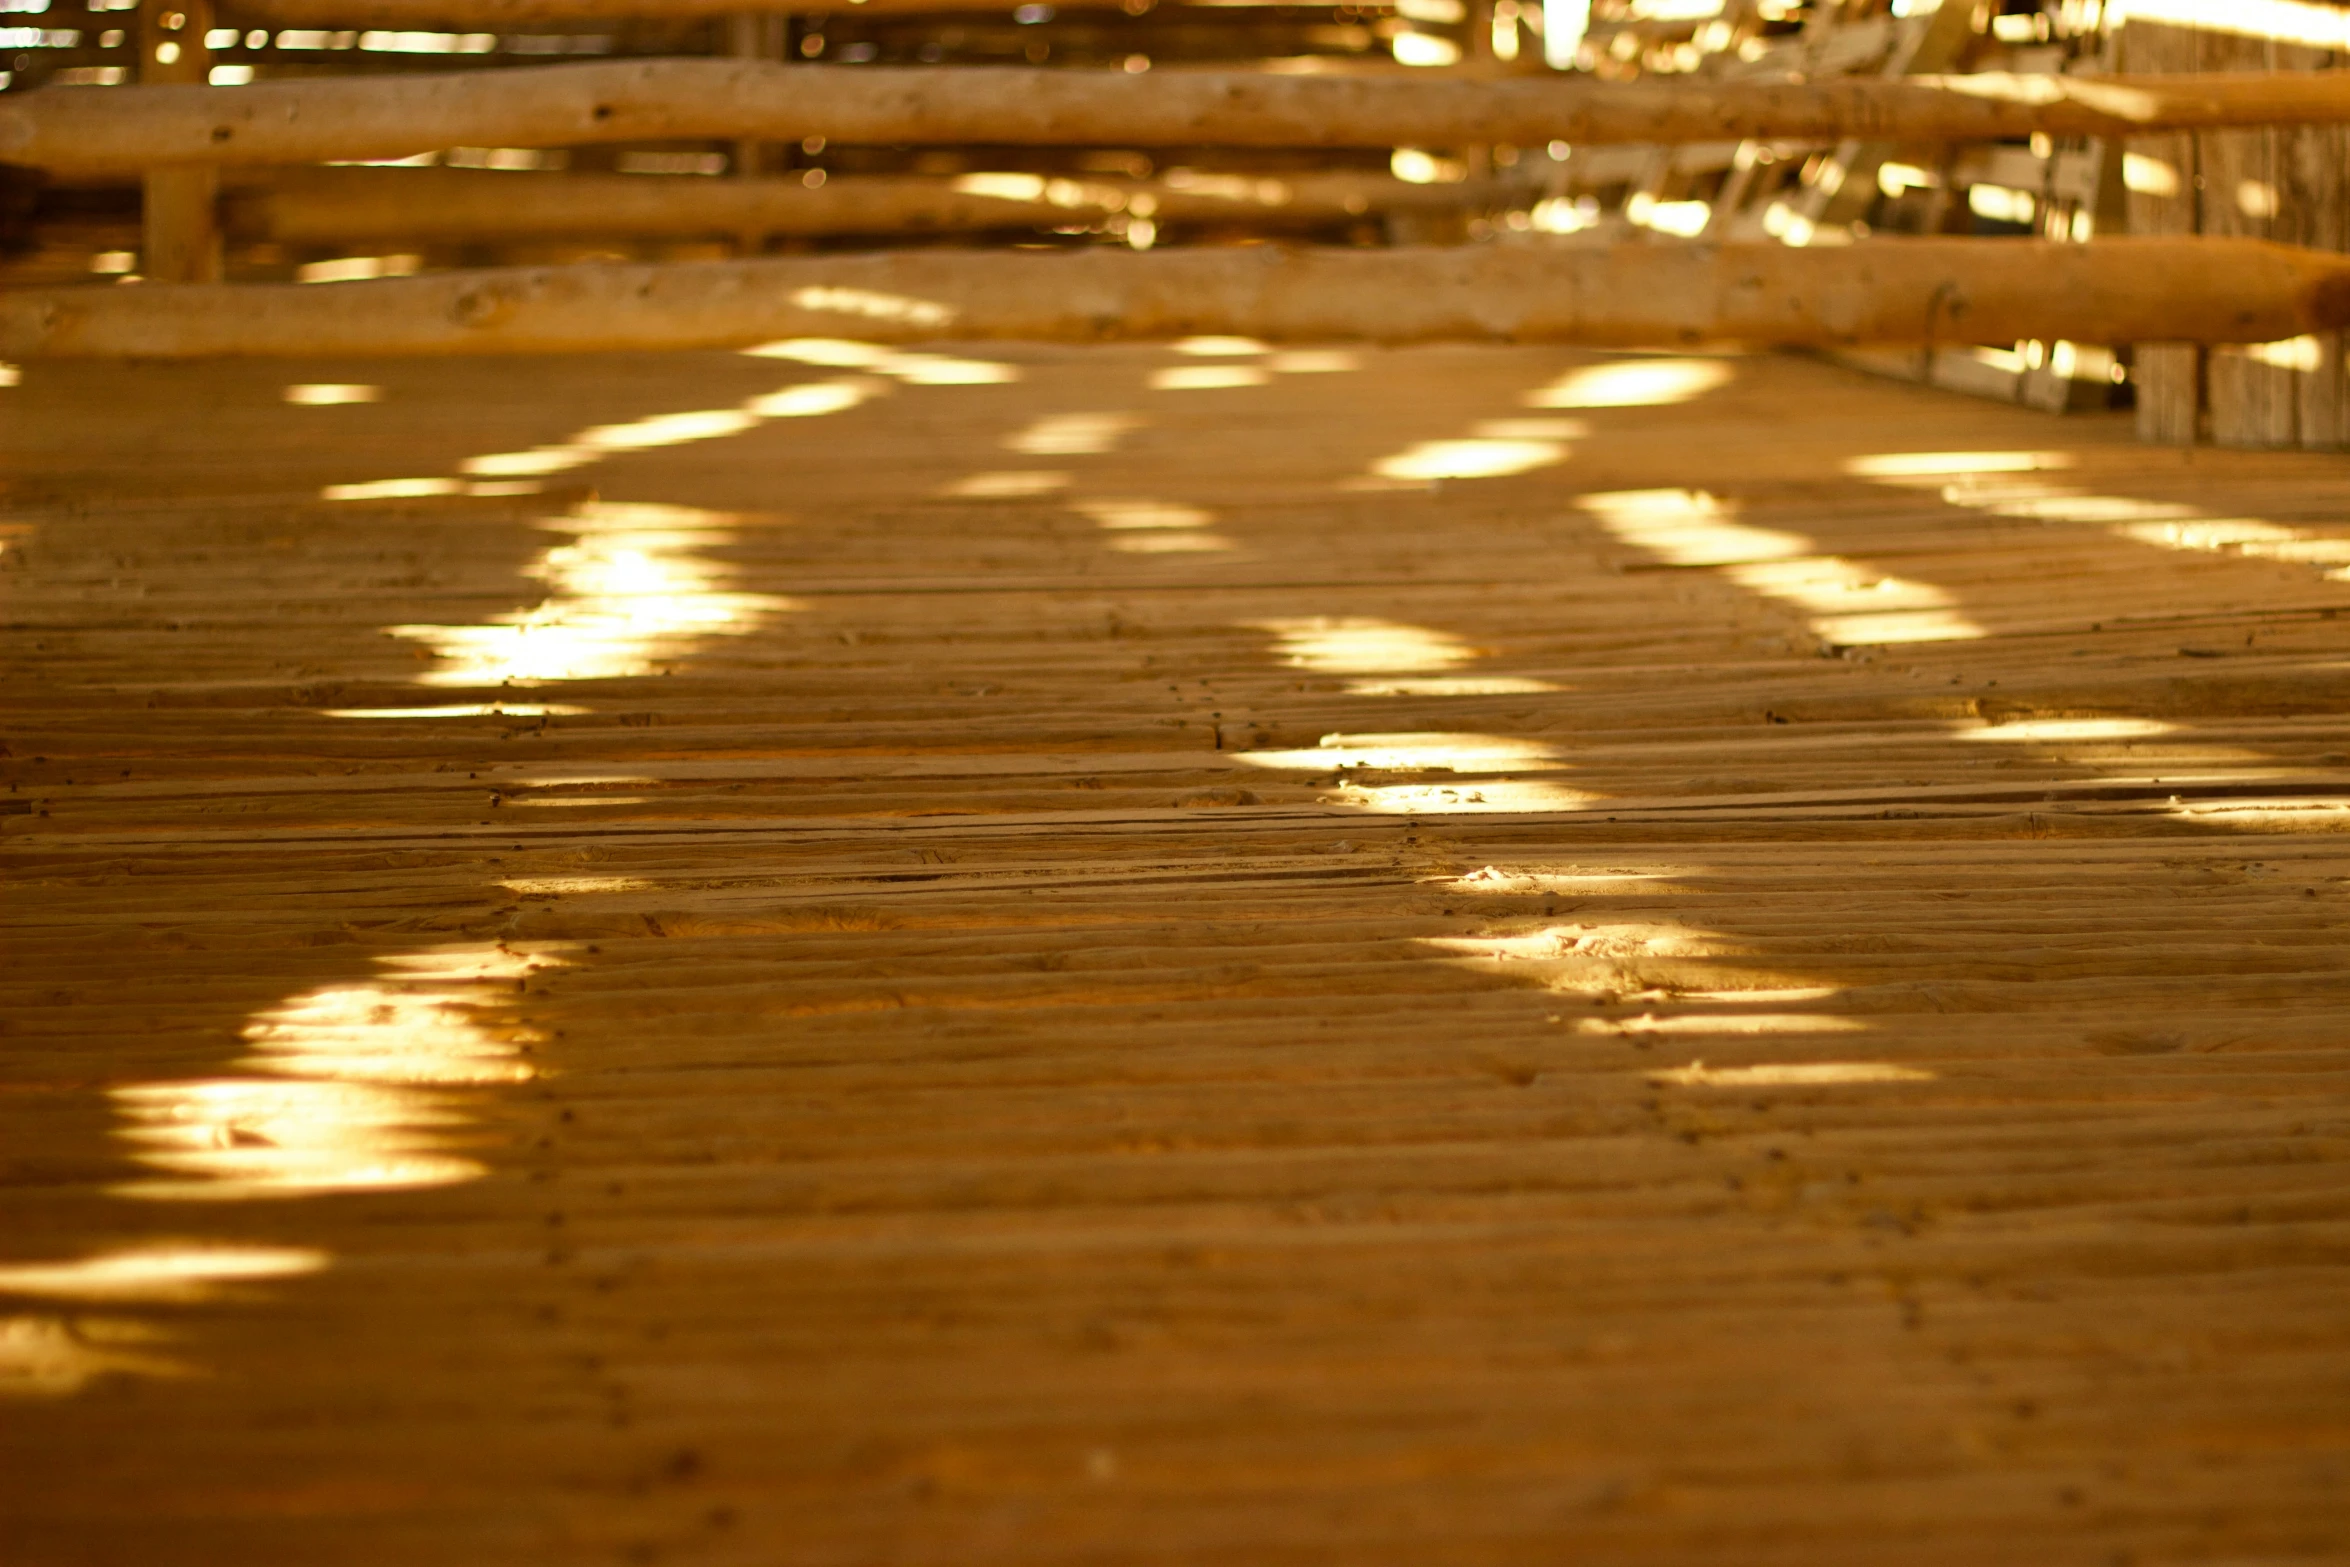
column 1633, row 383
column 914, row 369
column 1013, row 484
column 1390, row 773
column 1497, row 449
column 1395, row 659
column 1844, row 603
column 625, row 597
column 355, row 1086
column 45, row 1356
column 163, row 1271
column 1147, row 527
column 2007, row 484
column 1207, row 378
column 1353, row 645
column 1073, row 435
column 461, row 710
column 325, row 394
column 1791, row 1074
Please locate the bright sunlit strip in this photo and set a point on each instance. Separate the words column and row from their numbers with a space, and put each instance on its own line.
column 913, row 369
column 2167, row 525
column 391, row 489
column 1011, row 485
column 461, row 710
column 2041, row 730
column 1727, row 1023
column 667, row 429
column 1355, row 645
column 1218, row 347
column 1413, row 752
column 812, row 398
column 624, row 597
column 1901, row 465
column 354, row 1086
column 2281, row 21
column 57, row 1356
column 326, row 394
column 163, row 1272
column 1464, row 798
column 1791, row 1074
column 1073, row 435
column 1633, row 383
column 1207, row 378
column 1473, row 458
column 1846, row 604
column 1450, row 685
column 1126, row 515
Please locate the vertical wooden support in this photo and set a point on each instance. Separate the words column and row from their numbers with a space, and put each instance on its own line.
column 2314, row 183
column 753, row 35
column 2169, row 375
column 2252, row 400
column 180, row 211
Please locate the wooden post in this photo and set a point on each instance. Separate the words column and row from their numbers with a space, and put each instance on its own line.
column 182, row 228
column 2168, row 376
column 2251, row 401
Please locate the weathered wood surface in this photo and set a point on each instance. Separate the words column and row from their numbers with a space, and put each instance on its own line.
column 365, row 206
column 81, row 130
column 1884, row 291
column 982, row 1117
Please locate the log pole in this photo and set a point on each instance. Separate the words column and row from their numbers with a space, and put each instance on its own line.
column 85, row 130
column 1914, row 291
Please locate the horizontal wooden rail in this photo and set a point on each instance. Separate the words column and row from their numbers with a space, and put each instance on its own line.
column 1879, row 291
column 393, row 206
column 128, row 129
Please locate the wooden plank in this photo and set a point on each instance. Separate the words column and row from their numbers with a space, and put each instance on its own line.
column 77, row 131
column 1881, row 291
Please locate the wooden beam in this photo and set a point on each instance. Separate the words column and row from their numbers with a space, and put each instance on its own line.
column 372, row 206
column 1883, row 291
column 88, row 130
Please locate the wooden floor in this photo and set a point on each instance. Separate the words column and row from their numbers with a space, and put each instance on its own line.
column 1118, row 960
